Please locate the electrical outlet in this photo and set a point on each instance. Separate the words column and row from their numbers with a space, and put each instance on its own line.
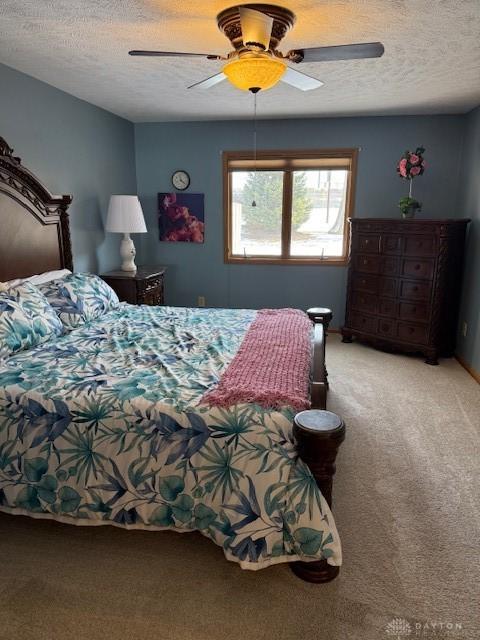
column 201, row 301
column 464, row 329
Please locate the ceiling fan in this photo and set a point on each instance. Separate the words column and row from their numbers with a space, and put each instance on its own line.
column 255, row 31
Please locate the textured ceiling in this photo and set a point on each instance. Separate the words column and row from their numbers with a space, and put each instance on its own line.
column 431, row 62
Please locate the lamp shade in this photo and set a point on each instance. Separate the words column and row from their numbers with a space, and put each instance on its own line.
column 125, row 215
column 259, row 72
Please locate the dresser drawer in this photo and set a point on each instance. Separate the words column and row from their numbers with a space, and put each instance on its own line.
column 376, row 226
column 415, row 290
column 368, row 263
column 418, row 269
column 150, row 291
column 416, row 333
column 417, row 311
column 387, row 287
column 387, row 307
column 392, row 244
column 387, row 327
column 390, row 266
column 364, row 282
column 421, row 246
column 151, row 297
column 149, row 285
column 364, row 301
column 371, row 263
column 361, row 225
column 363, row 323
column 369, row 244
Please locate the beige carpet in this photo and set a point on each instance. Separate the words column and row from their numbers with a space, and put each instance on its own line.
column 406, row 505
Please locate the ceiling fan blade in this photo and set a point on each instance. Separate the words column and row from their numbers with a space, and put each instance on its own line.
column 172, row 54
column 300, row 80
column 208, row 82
column 256, row 28
column 339, row 52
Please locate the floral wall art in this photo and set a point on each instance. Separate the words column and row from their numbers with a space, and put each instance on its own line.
column 181, row 217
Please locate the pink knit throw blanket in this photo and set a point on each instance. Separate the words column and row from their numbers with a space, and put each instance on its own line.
column 272, row 365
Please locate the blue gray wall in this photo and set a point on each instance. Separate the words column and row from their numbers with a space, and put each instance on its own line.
column 199, row 269
column 469, row 206
column 75, row 148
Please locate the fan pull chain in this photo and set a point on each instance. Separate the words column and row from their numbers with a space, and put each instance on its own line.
column 254, row 204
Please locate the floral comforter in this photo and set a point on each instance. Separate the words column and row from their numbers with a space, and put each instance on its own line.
column 104, row 425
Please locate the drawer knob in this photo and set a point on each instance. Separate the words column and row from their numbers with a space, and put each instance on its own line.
column 364, row 282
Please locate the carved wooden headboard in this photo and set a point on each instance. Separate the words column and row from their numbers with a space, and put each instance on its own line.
column 34, row 228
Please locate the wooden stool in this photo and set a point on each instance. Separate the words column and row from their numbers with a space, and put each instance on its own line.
column 319, row 435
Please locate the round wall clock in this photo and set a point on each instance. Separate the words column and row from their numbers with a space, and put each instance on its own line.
column 180, row 180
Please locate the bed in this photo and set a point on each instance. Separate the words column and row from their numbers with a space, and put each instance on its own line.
column 105, row 424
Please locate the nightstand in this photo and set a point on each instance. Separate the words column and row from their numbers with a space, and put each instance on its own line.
column 143, row 286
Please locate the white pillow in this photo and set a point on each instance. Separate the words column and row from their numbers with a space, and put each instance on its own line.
column 9, row 284
column 41, row 278
column 48, row 276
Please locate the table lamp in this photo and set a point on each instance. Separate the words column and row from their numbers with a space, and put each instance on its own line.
column 125, row 216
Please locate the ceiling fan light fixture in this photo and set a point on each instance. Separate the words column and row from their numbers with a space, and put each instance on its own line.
column 254, row 72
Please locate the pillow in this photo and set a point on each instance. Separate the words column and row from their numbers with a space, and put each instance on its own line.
column 26, row 319
column 8, row 284
column 41, row 278
column 79, row 298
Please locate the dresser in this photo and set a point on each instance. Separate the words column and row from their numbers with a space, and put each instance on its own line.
column 404, row 284
column 143, row 286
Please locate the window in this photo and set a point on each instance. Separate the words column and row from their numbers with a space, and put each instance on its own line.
column 288, row 207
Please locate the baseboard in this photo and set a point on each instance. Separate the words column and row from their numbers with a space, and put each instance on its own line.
column 473, row 372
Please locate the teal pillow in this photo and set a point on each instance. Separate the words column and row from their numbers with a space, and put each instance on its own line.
column 79, row 298
column 26, row 319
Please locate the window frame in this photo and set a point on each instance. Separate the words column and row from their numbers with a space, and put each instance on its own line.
column 286, row 160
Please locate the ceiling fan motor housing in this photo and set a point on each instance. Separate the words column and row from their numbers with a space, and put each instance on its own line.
column 229, row 22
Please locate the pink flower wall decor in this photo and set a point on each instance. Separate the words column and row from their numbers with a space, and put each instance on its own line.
column 181, row 217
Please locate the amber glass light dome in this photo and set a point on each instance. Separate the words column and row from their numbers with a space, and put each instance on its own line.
column 254, row 73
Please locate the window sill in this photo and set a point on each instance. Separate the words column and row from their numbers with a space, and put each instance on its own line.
column 330, row 262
